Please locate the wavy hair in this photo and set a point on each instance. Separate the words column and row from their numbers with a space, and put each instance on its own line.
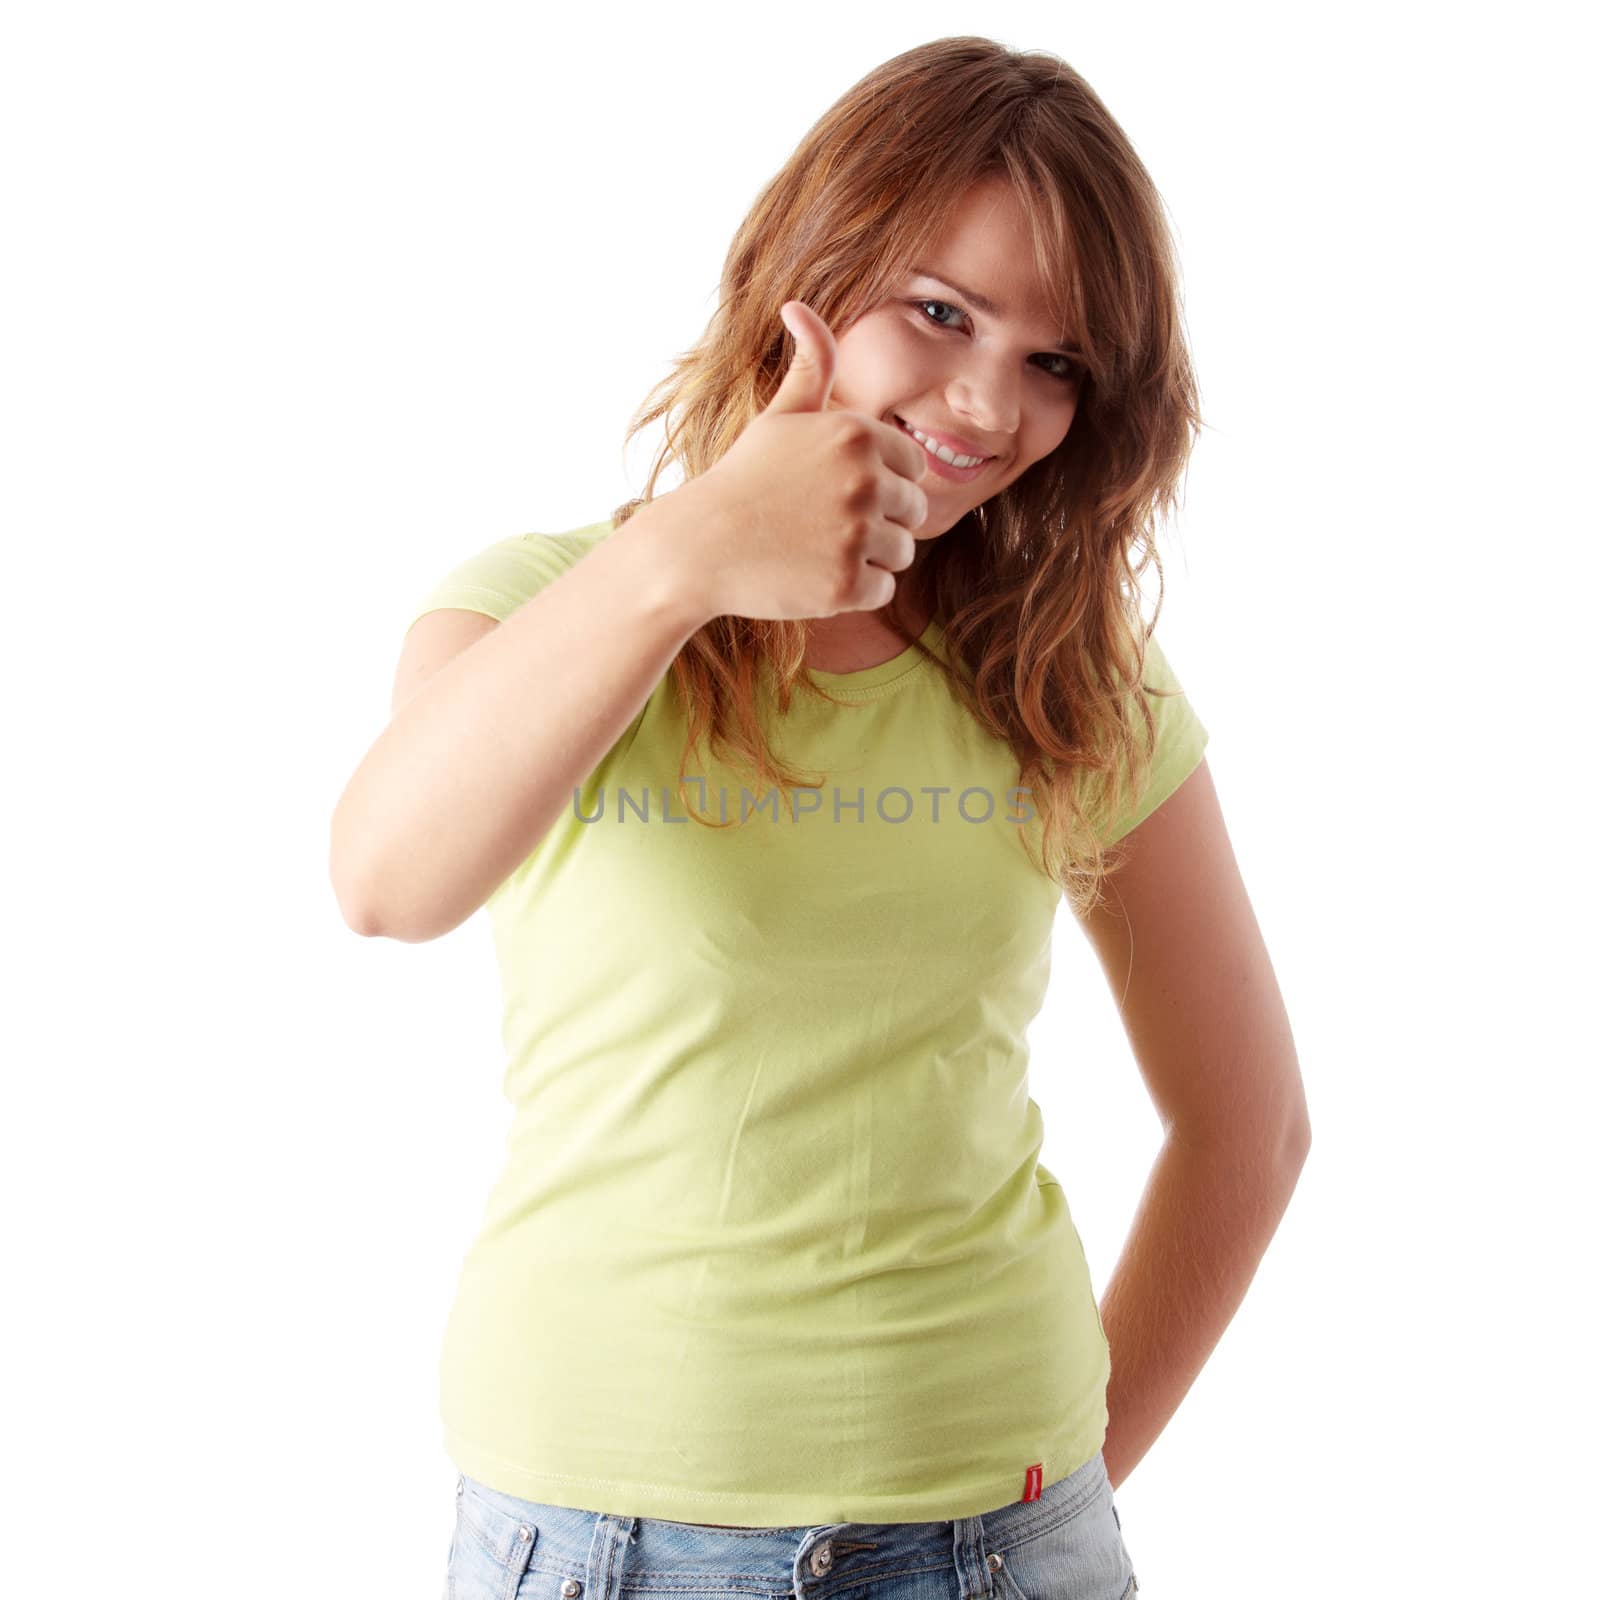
column 1038, row 588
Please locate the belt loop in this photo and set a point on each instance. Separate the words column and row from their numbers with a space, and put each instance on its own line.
column 971, row 1568
column 607, row 1555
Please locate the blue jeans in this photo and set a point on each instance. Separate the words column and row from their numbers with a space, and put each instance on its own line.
column 1066, row 1545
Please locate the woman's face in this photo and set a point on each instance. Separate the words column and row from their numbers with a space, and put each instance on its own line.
column 931, row 355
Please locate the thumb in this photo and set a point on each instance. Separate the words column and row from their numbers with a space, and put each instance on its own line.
column 808, row 383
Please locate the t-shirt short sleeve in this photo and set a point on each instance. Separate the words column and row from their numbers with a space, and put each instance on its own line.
column 1180, row 742
column 499, row 578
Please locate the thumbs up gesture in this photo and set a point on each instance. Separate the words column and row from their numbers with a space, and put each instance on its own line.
column 811, row 512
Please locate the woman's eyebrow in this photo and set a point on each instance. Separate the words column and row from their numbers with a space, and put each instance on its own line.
column 984, row 304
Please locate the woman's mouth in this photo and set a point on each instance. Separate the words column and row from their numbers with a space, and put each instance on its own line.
column 937, row 462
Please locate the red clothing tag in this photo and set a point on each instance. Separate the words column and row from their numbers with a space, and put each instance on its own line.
column 1031, row 1484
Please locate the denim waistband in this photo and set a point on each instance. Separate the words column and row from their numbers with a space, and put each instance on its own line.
column 807, row 1562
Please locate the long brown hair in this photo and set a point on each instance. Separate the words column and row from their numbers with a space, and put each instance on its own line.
column 1038, row 588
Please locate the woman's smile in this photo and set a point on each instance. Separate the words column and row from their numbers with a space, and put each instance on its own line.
column 945, row 468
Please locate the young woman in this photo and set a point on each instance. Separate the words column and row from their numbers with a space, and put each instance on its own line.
column 772, row 785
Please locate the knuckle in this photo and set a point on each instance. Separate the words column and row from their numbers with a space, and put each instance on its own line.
column 861, row 492
column 841, row 586
column 854, row 433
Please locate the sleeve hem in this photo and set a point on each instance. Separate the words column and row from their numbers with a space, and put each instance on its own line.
column 1165, row 783
column 485, row 601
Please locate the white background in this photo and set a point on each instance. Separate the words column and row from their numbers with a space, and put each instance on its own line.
column 303, row 303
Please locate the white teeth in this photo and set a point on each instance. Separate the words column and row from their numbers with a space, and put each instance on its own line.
column 948, row 456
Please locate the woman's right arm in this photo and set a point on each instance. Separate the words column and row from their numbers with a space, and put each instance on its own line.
column 477, row 762
column 808, row 514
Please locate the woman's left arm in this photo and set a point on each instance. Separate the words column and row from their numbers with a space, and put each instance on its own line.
column 1178, row 941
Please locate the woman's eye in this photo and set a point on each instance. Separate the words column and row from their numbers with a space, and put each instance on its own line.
column 1069, row 370
column 922, row 304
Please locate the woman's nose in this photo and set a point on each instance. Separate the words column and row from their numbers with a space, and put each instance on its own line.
column 989, row 399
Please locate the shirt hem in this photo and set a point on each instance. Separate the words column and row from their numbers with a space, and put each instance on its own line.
column 627, row 1498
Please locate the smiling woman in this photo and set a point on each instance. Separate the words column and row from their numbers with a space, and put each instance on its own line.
column 1017, row 302
column 987, row 386
column 773, row 1273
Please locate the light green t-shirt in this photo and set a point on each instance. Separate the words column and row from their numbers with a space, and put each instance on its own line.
column 771, row 1244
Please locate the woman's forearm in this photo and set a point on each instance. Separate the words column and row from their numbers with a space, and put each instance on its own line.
column 1202, row 1227
column 474, row 768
